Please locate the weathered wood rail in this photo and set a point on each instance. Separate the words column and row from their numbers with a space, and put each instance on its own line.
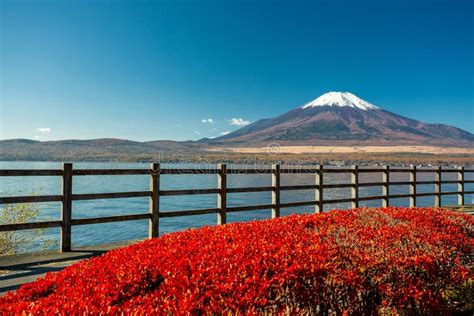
column 154, row 194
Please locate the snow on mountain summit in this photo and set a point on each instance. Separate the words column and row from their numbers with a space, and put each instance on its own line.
column 340, row 99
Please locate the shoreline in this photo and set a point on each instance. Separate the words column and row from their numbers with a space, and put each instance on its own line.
column 346, row 149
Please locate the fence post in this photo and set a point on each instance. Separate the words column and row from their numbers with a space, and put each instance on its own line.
column 355, row 186
column 412, row 186
column 222, row 195
column 66, row 212
column 276, row 190
column 386, row 186
column 461, row 193
column 437, row 188
column 154, row 201
column 319, row 190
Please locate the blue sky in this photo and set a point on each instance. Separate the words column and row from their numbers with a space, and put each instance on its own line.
column 147, row 70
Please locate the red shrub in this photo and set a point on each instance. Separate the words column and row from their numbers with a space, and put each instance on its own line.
column 358, row 261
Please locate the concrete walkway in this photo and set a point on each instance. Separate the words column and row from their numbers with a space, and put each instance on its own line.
column 26, row 268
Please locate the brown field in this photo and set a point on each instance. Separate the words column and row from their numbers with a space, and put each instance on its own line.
column 346, row 150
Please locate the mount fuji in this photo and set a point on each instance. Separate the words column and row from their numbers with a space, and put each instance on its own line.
column 342, row 118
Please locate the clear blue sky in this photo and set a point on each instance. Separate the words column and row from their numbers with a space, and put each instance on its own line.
column 146, row 70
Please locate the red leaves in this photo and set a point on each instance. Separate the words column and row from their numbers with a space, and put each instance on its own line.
column 346, row 261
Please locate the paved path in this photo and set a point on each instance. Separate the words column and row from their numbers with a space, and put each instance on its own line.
column 21, row 269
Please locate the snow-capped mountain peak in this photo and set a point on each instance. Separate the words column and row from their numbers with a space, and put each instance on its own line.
column 340, row 99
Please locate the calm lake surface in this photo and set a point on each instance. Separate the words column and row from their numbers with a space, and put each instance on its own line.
column 85, row 235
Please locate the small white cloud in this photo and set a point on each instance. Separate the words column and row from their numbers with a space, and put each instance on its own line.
column 225, row 133
column 43, row 129
column 213, row 129
column 37, row 137
column 208, row 120
column 238, row 121
column 197, row 133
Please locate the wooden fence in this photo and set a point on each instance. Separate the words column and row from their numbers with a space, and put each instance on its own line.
column 154, row 214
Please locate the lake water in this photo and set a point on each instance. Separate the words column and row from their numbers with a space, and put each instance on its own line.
column 85, row 235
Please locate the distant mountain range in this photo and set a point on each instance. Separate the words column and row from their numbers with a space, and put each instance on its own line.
column 103, row 149
column 343, row 118
column 335, row 119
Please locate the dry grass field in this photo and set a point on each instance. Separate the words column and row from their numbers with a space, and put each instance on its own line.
column 346, row 149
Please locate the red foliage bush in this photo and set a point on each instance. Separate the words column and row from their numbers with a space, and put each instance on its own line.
column 358, row 261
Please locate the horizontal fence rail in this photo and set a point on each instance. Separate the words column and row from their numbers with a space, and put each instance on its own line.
column 221, row 209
